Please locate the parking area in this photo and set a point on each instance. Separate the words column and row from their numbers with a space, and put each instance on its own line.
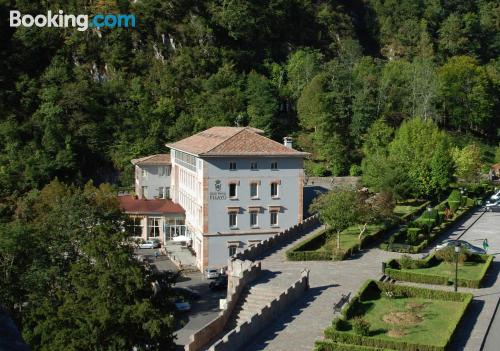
column 203, row 310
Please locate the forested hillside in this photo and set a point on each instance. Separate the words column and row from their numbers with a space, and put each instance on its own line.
column 79, row 105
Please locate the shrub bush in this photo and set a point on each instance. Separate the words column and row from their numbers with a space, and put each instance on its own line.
column 340, row 324
column 412, row 235
column 355, row 170
column 454, row 200
column 448, row 255
column 361, row 326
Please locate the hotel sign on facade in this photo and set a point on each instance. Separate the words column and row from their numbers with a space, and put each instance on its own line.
column 218, row 194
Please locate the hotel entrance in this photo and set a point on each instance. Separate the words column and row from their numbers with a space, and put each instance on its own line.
column 174, row 227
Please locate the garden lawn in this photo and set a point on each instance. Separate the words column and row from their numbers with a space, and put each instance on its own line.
column 349, row 237
column 468, row 270
column 436, row 319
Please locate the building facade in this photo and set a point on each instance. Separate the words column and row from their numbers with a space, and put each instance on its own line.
column 152, row 176
column 152, row 214
column 237, row 187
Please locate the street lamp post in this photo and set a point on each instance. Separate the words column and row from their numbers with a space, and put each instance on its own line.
column 457, row 251
column 429, row 212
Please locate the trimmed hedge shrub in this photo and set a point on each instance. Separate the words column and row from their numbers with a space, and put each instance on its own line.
column 393, row 270
column 307, row 250
column 400, row 242
column 329, row 345
column 338, row 340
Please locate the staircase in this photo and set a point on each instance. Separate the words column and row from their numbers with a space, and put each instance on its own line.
column 251, row 302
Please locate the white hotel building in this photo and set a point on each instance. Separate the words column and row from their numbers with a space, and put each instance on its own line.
column 236, row 186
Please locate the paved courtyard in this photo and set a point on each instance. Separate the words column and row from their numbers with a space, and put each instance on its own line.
column 304, row 322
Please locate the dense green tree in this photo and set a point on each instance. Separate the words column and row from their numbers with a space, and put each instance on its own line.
column 467, row 162
column 262, row 104
column 76, row 285
column 465, row 95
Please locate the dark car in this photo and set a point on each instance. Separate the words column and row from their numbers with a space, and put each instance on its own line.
column 187, row 292
column 219, row 284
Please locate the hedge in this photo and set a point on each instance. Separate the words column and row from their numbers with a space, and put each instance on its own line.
column 415, row 212
column 302, row 252
column 393, row 271
column 367, row 291
column 329, row 345
column 435, row 233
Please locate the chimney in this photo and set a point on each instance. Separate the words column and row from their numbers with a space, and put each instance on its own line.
column 288, row 142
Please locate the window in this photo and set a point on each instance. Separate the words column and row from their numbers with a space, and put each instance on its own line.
column 274, row 189
column 274, row 165
column 232, row 220
column 253, row 219
column 254, row 192
column 164, row 192
column 154, row 227
column 232, row 250
column 144, row 173
column 144, row 191
column 135, row 225
column 274, row 219
column 162, row 171
column 232, row 166
column 232, row 191
column 253, row 166
column 168, row 170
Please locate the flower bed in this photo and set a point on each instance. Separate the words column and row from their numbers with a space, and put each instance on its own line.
column 398, row 318
column 431, row 270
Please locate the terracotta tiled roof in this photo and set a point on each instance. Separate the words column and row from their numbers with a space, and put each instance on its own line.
column 233, row 141
column 129, row 204
column 158, row 159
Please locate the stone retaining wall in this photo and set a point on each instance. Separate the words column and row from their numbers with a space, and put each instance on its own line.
column 255, row 251
column 240, row 336
column 241, row 273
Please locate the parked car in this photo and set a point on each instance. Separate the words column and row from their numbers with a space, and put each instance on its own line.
column 219, row 284
column 462, row 243
column 212, row 273
column 187, row 292
column 493, row 206
column 495, row 197
column 182, row 305
column 149, row 244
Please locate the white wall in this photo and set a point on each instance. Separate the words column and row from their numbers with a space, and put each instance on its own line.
column 152, row 180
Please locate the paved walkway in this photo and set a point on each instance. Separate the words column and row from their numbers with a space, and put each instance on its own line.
column 304, row 322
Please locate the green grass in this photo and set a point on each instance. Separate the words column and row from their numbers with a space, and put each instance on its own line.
column 437, row 317
column 468, row 270
column 349, row 237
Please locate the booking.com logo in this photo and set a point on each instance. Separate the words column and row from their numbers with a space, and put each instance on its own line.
column 62, row 20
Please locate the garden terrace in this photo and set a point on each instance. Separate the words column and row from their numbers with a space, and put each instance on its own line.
column 396, row 317
column 323, row 246
column 433, row 270
column 419, row 234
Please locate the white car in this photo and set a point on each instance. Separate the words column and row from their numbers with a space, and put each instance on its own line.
column 495, row 197
column 493, row 205
column 469, row 247
column 212, row 273
column 149, row 244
